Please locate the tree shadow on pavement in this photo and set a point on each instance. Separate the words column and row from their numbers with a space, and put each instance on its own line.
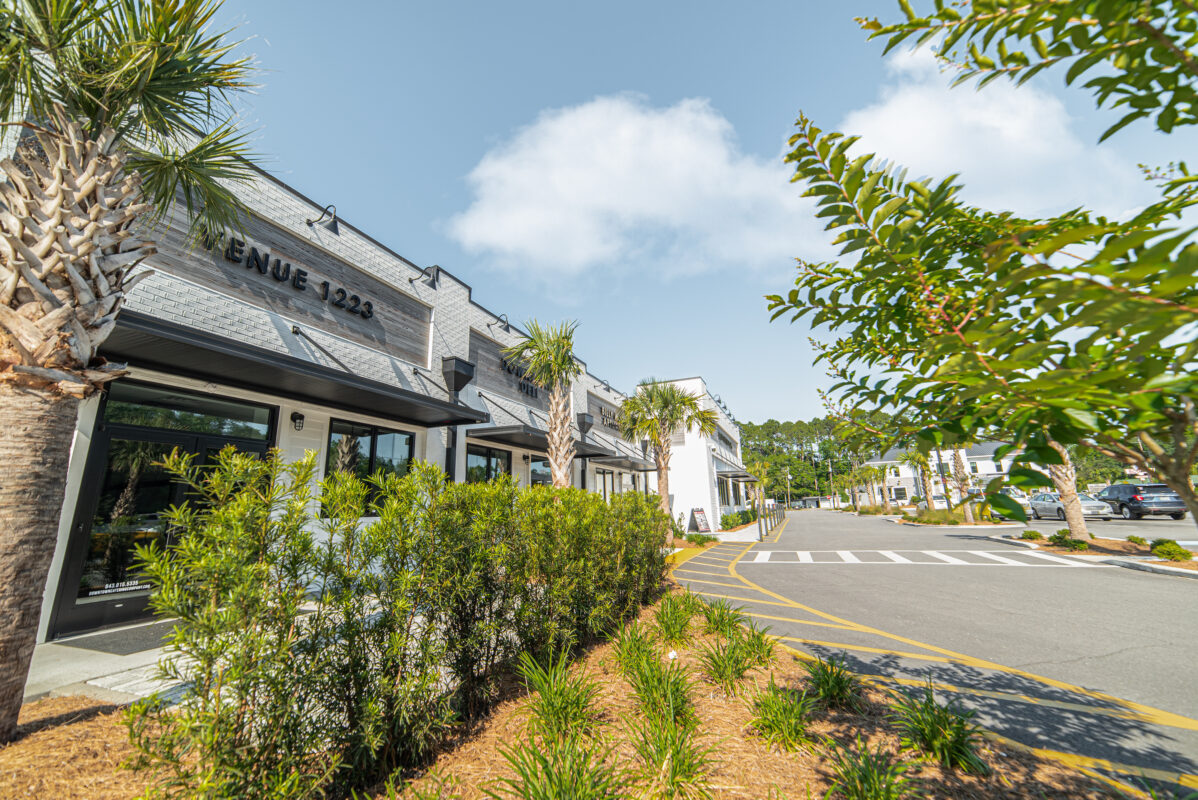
column 1036, row 715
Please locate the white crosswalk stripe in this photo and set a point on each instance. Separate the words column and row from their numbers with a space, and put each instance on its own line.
column 916, row 558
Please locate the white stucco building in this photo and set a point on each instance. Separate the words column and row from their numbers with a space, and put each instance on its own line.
column 707, row 476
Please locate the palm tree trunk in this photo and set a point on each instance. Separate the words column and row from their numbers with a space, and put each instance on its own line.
column 961, row 477
column 36, row 428
column 561, row 444
column 1065, row 479
column 661, row 454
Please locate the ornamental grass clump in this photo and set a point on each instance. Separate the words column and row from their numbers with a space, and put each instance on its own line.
column 834, row 686
column 722, row 617
column 862, row 774
column 673, row 618
column 663, row 692
column 780, row 716
column 633, row 644
column 946, row 734
column 759, row 644
column 576, row 769
column 674, row 763
column 563, row 704
column 725, row 663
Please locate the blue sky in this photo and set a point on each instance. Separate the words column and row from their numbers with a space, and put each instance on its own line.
column 620, row 163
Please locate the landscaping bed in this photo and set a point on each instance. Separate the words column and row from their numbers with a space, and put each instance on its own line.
column 73, row 746
column 735, row 761
column 69, row 747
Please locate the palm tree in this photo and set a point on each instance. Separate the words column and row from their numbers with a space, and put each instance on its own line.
column 1064, row 477
column 656, row 412
column 760, row 470
column 880, row 475
column 918, row 462
column 961, row 479
column 119, row 109
column 547, row 357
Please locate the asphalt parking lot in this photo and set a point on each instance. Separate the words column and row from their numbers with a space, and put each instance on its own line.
column 1088, row 662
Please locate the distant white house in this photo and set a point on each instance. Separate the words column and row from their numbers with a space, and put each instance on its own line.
column 903, row 482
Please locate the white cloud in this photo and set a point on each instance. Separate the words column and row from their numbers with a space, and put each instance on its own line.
column 618, row 184
column 1014, row 147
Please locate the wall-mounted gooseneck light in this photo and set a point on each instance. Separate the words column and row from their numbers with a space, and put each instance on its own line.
column 326, row 220
column 431, row 275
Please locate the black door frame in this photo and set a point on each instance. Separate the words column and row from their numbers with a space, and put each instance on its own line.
column 70, row 617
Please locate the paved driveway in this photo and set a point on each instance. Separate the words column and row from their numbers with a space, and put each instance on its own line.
column 1094, row 663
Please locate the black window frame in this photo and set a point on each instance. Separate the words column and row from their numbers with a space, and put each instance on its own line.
column 486, row 451
column 375, row 432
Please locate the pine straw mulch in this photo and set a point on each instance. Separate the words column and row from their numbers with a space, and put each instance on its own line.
column 69, row 747
column 745, row 767
column 1110, row 547
column 1190, row 565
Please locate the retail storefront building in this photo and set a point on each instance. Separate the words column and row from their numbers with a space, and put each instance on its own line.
column 301, row 333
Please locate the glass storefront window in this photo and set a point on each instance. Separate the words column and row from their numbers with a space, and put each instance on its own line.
column 367, row 449
column 486, row 463
column 130, row 403
column 539, row 473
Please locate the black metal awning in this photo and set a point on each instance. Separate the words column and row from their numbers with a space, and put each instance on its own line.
column 530, row 438
column 143, row 341
column 625, row 462
column 739, row 475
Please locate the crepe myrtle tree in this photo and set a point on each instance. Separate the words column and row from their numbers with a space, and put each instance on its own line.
column 1042, row 333
column 546, row 357
column 657, row 411
column 113, row 110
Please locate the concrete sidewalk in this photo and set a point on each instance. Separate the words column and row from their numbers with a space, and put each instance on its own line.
column 116, row 665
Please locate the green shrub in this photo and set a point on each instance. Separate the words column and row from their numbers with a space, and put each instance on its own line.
column 577, row 769
column 945, row 733
column 1140, row 540
column 662, row 692
column 936, row 516
column 563, row 703
column 730, row 521
column 673, row 617
column 1034, row 536
column 675, row 764
column 859, row 774
column 780, row 716
column 722, row 617
column 416, row 614
column 833, row 685
column 1159, row 542
column 1062, row 539
column 1172, row 551
column 700, row 539
column 872, row 510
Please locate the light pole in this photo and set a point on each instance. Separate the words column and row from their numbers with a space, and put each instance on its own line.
column 788, row 486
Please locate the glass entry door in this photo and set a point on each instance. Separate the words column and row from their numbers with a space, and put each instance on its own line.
column 122, row 502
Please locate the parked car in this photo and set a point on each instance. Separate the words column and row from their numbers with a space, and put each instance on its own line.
column 1135, row 500
column 1048, row 504
column 939, row 502
column 1016, row 494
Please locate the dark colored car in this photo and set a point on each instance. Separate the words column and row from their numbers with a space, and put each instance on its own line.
column 1135, row 500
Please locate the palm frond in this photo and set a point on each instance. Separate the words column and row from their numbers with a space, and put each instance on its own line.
column 198, row 177
column 546, row 354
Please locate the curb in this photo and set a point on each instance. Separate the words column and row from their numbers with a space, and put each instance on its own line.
column 1157, row 568
column 1016, row 542
column 961, row 527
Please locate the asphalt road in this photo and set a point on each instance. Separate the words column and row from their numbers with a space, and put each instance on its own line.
column 1095, row 663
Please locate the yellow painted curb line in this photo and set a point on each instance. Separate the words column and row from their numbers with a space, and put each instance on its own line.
column 683, row 556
